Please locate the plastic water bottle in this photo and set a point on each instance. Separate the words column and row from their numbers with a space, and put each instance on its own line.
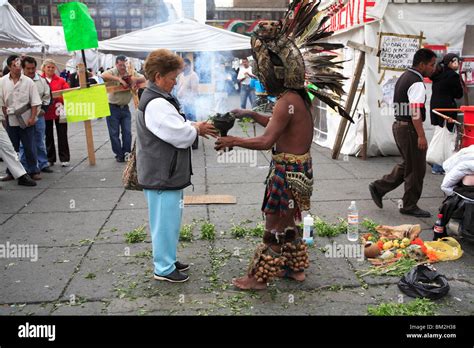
column 353, row 223
column 308, row 227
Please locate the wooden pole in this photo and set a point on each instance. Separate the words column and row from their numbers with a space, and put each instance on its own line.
column 348, row 107
column 81, row 71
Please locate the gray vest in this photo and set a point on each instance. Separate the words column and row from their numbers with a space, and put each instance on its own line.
column 160, row 165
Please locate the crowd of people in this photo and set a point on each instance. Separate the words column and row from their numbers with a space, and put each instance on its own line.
column 167, row 130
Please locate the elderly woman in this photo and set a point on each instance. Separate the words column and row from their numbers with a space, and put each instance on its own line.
column 51, row 116
column 164, row 139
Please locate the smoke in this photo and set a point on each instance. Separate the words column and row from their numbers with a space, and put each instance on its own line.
column 216, row 84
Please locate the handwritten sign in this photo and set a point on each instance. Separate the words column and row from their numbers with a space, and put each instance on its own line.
column 397, row 51
column 86, row 104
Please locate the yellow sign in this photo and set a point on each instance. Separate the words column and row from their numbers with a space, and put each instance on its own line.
column 86, row 104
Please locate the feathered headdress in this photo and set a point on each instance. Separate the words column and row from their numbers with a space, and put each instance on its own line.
column 289, row 53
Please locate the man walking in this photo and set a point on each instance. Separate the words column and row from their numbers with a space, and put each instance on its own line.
column 20, row 104
column 244, row 77
column 410, row 113
column 120, row 119
column 29, row 66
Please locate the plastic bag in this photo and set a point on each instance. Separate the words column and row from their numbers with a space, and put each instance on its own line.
column 445, row 249
column 423, row 282
column 441, row 147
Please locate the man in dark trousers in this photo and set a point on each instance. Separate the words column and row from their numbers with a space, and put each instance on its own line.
column 410, row 113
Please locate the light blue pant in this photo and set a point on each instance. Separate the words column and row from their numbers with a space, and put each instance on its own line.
column 165, row 210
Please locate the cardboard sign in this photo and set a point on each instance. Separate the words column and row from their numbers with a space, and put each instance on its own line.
column 86, row 104
column 79, row 27
column 397, row 51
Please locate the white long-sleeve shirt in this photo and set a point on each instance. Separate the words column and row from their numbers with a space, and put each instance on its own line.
column 162, row 119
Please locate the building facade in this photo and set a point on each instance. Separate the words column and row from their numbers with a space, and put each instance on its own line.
column 112, row 17
column 251, row 10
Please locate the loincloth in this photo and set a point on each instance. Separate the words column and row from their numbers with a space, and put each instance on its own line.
column 289, row 174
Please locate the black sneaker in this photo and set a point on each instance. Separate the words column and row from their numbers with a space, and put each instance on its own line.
column 417, row 212
column 375, row 195
column 25, row 180
column 181, row 266
column 47, row 170
column 174, row 277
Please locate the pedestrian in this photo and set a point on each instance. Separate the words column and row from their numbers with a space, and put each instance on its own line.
column 410, row 113
column 164, row 139
column 187, row 91
column 8, row 153
column 447, row 88
column 54, row 117
column 20, row 104
column 244, row 77
column 29, row 66
column 120, row 119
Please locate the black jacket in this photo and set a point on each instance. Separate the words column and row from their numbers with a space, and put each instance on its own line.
column 446, row 88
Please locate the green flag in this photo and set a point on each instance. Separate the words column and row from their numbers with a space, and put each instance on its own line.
column 79, row 27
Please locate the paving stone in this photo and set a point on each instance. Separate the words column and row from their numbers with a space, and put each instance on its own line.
column 41, row 281
column 84, row 199
column 53, row 229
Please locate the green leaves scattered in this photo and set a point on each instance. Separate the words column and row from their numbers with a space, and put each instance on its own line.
column 242, row 231
column 325, row 229
column 369, row 226
column 186, row 233
column 90, row 276
column 208, row 231
column 396, row 269
column 138, row 235
column 418, row 307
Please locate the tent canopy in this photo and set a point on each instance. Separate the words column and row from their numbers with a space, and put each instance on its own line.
column 15, row 32
column 53, row 36
column 182, row 35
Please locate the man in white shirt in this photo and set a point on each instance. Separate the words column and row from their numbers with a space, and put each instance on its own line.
column 20, row 102
column 29, row 66
column 244, row 77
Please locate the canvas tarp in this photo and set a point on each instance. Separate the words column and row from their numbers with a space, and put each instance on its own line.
column 182, row 35
column 430, row 18
column 15, row 31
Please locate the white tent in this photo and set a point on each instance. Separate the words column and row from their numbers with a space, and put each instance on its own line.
column 361, row 21
column 182, row 35
column 15, row 31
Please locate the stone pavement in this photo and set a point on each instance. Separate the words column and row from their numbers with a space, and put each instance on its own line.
column 78, row 216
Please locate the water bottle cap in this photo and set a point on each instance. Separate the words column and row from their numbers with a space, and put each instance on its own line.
column 440, row 216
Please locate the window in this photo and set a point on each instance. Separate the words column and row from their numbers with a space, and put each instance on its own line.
column 150, row 12
column 105, row 22
column 27, row 10
column 121, row 32
column 43, row 21
column 43, row 10
column 105, row 12
column 29, row 20
column 122, row 12
column 136, row 23
column 105, row 33
column 120, row 22
column 57, row 22
column 135, row 12
column 93, row 11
